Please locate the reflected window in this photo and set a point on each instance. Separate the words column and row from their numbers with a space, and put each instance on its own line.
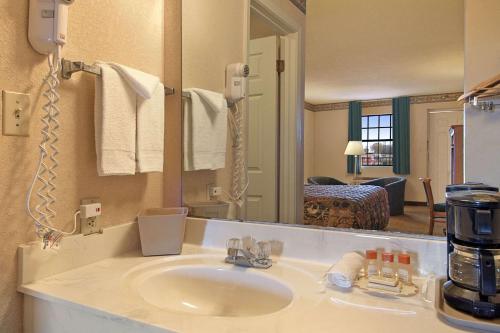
column 376, row 134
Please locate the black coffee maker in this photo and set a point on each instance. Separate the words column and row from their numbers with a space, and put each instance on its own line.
column 473, row 237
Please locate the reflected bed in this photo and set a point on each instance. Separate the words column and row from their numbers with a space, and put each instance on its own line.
column 346, row 206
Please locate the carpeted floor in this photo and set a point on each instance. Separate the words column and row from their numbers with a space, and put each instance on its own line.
column 414, row 221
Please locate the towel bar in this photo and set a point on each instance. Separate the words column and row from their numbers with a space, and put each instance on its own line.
column 70, row 67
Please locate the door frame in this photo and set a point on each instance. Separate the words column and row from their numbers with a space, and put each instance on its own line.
column 291, row 188
column 429, row 111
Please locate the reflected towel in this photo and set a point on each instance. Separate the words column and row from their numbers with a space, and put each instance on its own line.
column 205, row 130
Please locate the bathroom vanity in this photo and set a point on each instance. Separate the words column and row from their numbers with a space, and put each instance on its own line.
column 103, row 284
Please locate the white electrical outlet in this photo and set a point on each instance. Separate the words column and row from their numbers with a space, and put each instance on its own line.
column 90, row 213
column 16, row 113
column 214, row 191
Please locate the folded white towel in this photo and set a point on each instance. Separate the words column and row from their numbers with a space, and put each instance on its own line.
column 144, row 84
column 150, row 131
column 344, row 272
column 138, row 100
column 205, row 130
column 115, row 124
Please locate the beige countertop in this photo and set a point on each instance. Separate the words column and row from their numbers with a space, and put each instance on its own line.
column 103, row 288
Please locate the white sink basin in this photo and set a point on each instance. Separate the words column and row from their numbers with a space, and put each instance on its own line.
column 224, row 291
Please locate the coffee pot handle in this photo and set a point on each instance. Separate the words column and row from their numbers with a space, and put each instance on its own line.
column 487, row 273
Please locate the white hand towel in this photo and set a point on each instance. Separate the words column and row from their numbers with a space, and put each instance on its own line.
column 344, row 272
column 149, row 105
column 144, row 84
column 205, row 130
column 150, row 131
column 115, row 124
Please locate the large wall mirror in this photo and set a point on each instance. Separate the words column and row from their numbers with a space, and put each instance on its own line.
column 380, row 132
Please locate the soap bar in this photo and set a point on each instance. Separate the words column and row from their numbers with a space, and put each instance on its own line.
column 383, row 281
column 395, row 289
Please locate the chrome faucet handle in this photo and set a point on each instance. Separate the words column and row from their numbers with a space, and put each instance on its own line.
column 248, row 253
column 248, row 243
column 264, row 249
column 233, row 243
column 233, row 246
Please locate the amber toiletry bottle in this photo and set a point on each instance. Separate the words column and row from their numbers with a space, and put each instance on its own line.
column 388, row 265
column 404, row 268
column 371, row 264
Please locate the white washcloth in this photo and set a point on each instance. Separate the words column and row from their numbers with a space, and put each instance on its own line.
column 344, row 272
column 150, row 131
column 144, row 134
column 205, row 130
column 115, row 124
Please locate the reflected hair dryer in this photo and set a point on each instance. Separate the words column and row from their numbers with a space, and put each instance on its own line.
column 236, row 75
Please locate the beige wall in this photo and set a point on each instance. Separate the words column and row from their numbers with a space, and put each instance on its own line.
column 309, row 130
column 330, row 140
column 212, row 37
column 482, row 61
column 128, row 32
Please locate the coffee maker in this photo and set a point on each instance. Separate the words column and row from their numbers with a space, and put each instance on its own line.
column 473, row 238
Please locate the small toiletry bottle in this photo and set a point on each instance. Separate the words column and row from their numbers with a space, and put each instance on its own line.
column 388, row 265
column 371, row 264
column 404, row 269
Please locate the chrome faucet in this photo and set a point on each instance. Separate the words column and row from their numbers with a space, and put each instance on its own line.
column 254, row 254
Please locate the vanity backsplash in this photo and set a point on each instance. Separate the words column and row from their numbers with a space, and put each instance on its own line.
column 428, row 256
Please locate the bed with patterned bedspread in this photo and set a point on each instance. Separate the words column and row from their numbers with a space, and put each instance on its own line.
column 346, row 206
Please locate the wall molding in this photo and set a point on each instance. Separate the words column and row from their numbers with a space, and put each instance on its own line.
column 420, row 99
column 300, row 4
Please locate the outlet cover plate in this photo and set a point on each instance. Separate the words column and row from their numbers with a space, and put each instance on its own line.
column 91, row 225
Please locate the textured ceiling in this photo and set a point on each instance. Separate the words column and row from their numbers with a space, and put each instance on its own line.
column 370, row 49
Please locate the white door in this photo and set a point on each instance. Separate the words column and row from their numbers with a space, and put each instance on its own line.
column 263, row 131
column 440, row 150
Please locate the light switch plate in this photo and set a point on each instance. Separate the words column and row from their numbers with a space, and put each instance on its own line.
column 16, row 113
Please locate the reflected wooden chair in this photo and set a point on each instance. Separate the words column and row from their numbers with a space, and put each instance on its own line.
column 437, row 211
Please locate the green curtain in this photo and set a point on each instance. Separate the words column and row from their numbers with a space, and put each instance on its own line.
column 354, row 132
column 401, row 135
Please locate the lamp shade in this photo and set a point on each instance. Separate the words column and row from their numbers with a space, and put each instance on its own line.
column 354, row 148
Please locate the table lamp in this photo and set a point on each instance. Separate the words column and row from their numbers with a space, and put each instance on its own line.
column 355, row 148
